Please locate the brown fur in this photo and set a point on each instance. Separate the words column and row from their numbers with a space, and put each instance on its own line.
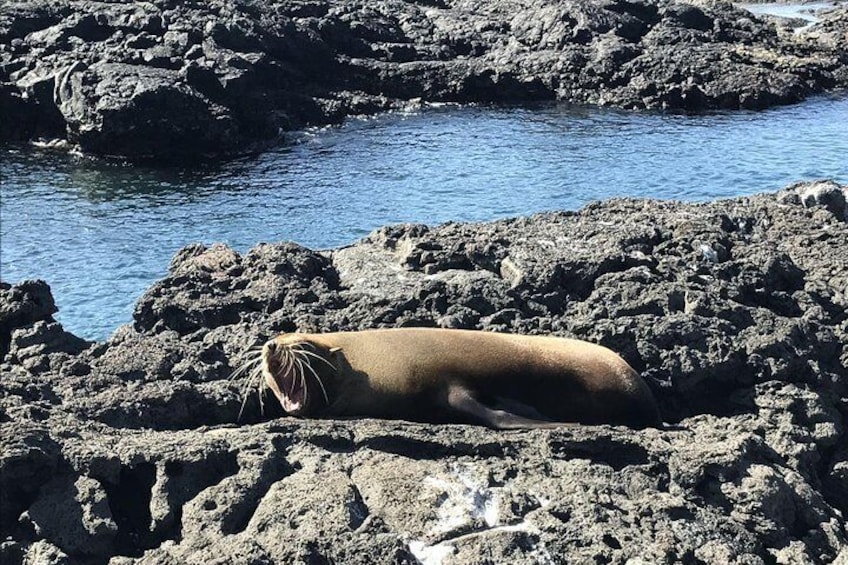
column 440, row 375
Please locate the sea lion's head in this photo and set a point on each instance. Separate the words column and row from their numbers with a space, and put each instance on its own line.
column 297, row 370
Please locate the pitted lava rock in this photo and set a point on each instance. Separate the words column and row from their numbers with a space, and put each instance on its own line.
column 169, row 80
column 138, row 449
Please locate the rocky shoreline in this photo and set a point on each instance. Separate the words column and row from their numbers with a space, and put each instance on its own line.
column 735, row 311
column 172, row 80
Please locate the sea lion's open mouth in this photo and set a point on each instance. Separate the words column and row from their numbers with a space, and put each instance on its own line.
column 280, row 368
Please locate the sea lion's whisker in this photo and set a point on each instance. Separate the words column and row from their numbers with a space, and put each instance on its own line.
column 244, row 367
column 302, row 374
column 251, row 366
column 245, row 390
column 282, row 369
column 314, row 373
column 250, row 362
column 241, row 409
column 245, row 386
column 295, row 375
column 257, row 381
column 250, row 369
column 316, row 356
column 252, row 379
column 285, row 356
column 259, row 395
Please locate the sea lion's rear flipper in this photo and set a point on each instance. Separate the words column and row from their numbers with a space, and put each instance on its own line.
column 462, row 400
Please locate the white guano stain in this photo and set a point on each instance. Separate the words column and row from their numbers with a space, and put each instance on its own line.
column 464, row 500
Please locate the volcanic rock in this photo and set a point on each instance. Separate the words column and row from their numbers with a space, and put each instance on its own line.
column 166, row 80
column 141, row 449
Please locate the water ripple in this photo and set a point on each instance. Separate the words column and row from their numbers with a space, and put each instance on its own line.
column 100, row 233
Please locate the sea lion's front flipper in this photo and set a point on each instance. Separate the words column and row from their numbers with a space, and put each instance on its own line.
column 518, row 408
column 462, row 400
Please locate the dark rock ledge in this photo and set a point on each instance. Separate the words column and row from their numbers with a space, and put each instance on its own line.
column 171, row 80
column 734, row 310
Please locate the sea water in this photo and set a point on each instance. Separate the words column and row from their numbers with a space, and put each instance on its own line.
column 100, row 233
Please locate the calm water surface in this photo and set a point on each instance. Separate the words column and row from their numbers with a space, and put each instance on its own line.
column 101, row 233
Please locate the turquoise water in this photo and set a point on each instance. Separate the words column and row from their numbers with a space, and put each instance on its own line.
column 101, row 233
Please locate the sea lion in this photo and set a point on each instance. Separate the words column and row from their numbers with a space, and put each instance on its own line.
column 504, row 381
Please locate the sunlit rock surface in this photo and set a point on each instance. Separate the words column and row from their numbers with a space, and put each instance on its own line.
column 171, row 80
column 734, row 311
